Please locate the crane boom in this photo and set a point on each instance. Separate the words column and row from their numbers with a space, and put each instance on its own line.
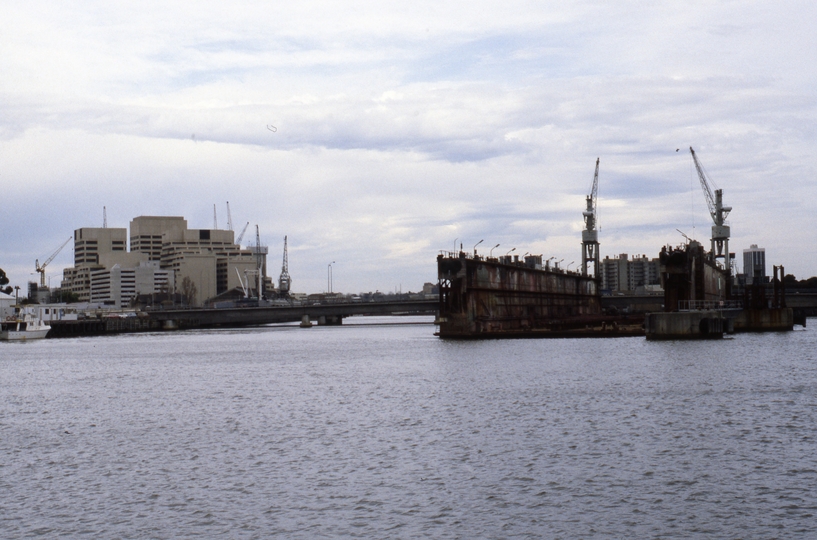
column 710, row 199
column 240, row 236
column 41, row 267
column 718, row 212
column 592, row 201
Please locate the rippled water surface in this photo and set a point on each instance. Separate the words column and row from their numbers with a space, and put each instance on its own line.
column 388, row 432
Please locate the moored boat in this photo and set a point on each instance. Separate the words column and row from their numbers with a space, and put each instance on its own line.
column 22, row 327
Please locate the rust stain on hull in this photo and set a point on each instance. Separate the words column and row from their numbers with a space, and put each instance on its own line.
column 486, row 298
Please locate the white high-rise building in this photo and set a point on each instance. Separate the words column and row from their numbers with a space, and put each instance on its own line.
column 754, row 265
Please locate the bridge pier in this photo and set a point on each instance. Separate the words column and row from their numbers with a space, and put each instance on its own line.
column 305, row 322
column 330, row 320
column 169, row 324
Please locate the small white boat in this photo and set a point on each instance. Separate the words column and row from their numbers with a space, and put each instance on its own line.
column 22, row 327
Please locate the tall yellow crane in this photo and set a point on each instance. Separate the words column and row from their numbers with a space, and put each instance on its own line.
column 41, row 267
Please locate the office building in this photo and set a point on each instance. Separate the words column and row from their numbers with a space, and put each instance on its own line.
column 754, row 265
column 205, row 262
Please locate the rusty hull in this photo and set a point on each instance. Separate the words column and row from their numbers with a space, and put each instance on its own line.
column 689, row 275
column 484, row 298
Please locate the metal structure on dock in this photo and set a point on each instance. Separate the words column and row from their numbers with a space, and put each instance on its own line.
column 590, row 236
column 718, row 212
column 511, row 298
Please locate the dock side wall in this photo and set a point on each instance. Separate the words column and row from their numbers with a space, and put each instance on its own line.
column 484, row 297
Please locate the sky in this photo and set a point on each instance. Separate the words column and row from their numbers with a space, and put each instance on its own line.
column 376, row 136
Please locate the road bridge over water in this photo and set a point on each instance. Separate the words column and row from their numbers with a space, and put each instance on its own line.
column 323, row 314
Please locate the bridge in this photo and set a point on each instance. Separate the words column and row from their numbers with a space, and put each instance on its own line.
column 323, row 314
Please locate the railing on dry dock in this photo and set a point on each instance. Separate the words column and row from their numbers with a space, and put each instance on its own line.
column 708, row 305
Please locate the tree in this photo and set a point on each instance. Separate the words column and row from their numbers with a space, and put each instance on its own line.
column 68, row 297
column 189, row 291
column 4, row 281
column 792, row 282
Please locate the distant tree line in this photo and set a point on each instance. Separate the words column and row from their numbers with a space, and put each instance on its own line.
column 792, row 282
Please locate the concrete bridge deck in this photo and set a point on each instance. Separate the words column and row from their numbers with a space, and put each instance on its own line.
column 332, row 313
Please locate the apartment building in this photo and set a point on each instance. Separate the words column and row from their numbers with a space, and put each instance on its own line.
column 625, row 274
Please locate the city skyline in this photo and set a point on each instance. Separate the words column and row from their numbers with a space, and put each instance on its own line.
column 377, row 136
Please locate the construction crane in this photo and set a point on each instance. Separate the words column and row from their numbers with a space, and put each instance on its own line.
column 284, row 281
column 259, row 261
column 215, row 218
column 229, row 218
column 590, row 236
column 41, row 267
column 718, row 212
column 240, row 236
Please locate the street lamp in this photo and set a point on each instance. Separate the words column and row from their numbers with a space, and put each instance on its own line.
column 509, row 252
column 329, row 277
column 475, row 246
column 558, row 263
column 455, row 243
column 17, row 295
column 568, row 266
column 491, row 253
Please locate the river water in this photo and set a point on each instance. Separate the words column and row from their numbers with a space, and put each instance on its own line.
column 384, row 431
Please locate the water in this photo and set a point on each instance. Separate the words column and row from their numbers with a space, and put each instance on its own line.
column 388, row 432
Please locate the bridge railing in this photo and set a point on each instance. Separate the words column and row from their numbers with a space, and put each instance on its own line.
column 708, row 305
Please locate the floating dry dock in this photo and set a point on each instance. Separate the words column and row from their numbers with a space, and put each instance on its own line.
column 510, row 298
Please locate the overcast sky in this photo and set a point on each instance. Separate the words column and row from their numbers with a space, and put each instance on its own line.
column 401, row 130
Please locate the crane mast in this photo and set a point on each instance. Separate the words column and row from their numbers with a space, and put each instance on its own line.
column 284, row 281
column 590, row 236
column 718, row 213
column 259, row 261
column 229, row 218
